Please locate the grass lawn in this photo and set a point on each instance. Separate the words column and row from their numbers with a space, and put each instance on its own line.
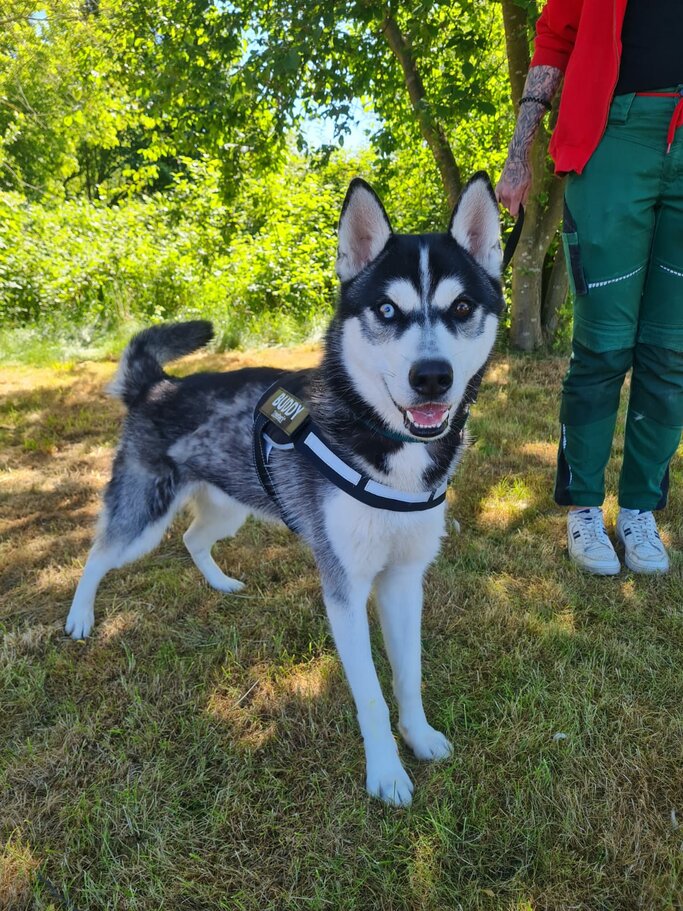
column 200, row 751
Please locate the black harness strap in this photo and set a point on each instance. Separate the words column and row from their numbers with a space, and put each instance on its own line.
column 262, row 449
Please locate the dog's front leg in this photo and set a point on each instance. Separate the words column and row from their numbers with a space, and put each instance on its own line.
column 399, row 599
column 346, row 606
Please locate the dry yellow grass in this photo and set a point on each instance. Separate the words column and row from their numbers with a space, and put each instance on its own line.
column 201, row 752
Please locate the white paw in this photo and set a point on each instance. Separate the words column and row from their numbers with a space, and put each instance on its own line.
column 427, row 743
column 390, row 782
column 225, row 584
column 79, row 623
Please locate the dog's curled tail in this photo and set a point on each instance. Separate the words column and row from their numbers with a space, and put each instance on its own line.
column 141, row 364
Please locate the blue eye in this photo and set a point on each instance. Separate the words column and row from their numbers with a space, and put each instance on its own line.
column 387, row 311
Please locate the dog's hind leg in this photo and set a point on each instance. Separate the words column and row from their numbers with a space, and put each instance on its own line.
column 216, row 516
column 138, row 510
column 399, row 600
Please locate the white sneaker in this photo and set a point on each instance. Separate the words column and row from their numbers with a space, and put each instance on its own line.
column 643, row 548
column 588, row 543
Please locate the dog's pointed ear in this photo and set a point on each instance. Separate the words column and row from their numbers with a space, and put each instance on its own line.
column 363, row 231
column 475, row 223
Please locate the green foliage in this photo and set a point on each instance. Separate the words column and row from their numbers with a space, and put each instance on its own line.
column 112, row 98
column 81, row 262
column 62, row 106
column 262, row 267
column 107, row 98
column 146, row 150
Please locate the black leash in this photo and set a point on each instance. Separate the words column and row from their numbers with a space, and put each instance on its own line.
column 513, row 239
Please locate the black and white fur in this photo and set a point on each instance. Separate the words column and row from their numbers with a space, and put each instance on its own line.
column 414, row 326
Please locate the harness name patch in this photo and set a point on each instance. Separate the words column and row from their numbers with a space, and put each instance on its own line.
column 285, row 410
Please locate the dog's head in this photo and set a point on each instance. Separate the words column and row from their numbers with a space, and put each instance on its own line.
column 417, row 314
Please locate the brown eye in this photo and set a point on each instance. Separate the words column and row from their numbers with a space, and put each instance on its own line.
column 462, row 308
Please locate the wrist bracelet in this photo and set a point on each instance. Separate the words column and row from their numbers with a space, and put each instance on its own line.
column 535, row 100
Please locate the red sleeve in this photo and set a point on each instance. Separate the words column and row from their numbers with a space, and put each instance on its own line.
column 556, row 33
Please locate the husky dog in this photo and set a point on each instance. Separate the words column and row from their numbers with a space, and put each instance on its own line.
column 413, row 329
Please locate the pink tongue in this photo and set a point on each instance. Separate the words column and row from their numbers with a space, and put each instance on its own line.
column 429, row 415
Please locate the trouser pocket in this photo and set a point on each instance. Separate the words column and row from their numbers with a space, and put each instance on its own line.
column 572, row 252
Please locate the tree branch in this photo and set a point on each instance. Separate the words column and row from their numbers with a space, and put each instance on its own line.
column 431, row 129
column 517, row 46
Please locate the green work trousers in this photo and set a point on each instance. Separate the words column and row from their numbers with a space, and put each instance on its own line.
column 623, row 240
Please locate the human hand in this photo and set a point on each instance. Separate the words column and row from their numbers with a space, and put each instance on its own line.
column 514, row 185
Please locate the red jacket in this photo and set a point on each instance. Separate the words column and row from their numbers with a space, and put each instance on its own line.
column 583, row 39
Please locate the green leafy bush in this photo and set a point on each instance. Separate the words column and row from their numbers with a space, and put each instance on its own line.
column 262, row 268
column 78, row 278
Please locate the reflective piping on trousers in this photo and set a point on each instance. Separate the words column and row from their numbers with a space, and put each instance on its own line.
column 564, row 450
column 671, row 271
column 619, row 278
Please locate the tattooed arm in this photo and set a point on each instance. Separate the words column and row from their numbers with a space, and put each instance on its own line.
column 515, row 181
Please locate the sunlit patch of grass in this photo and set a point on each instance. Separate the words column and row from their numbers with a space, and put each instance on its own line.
column 201, row 751
column 542, row 451
column 506, row 501
column 61, row 348
column 424, row 872
column 563, row 622
column 499, row 373
column 254, row 709
column 17, row 869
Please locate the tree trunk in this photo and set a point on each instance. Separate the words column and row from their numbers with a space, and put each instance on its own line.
column 432, row 131
column 554, row 297
column 516, row 26
column 544, row 207
column 543, row 212
column 526, row 332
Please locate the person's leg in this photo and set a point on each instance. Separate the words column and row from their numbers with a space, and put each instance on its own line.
column 656, row 404
column 653, row 431
column 653, row 427
column 588, row 413
column 607, row 235
column 591, row 392
column 655, row 415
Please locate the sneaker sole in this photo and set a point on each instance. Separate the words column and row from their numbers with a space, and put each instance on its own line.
column 646, row 570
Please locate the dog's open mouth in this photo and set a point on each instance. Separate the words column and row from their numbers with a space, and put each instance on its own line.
column 428, row 420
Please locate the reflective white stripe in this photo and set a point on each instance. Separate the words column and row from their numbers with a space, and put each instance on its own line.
column 325, row 454
column 564, row 450
column 672, row 271
column 316, row 445
column 611, row 281
column 379, row 490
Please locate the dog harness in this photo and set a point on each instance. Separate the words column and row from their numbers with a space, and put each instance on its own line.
column 282, row 421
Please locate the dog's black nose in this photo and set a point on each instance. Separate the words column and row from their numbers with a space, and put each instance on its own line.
column 431, row 377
